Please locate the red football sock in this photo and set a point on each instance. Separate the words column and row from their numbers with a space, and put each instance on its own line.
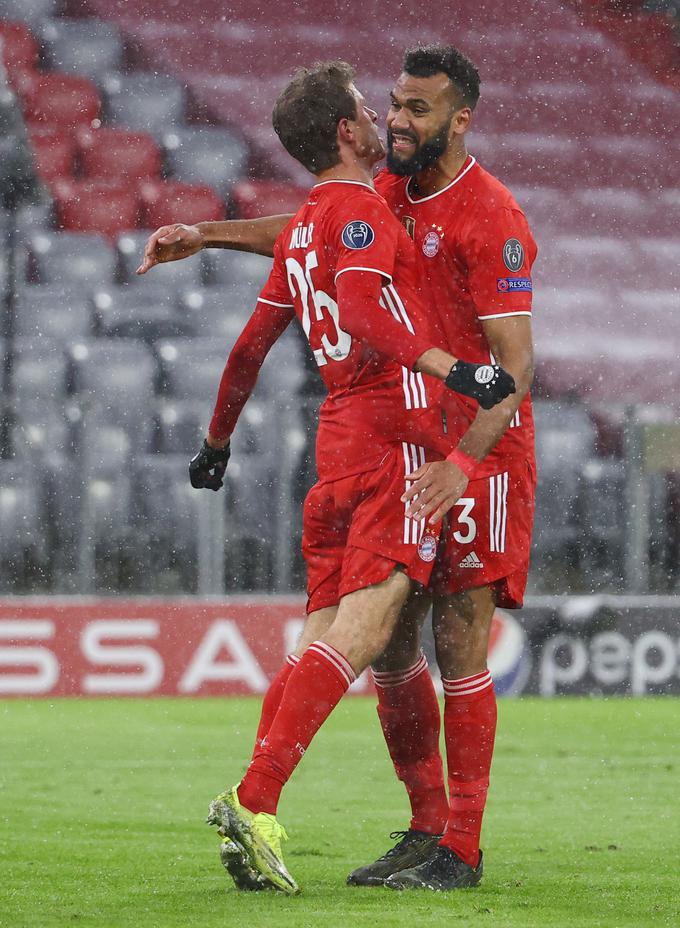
column 409, row 714
column 315, row 687
column 272, row 699
column 469, row 730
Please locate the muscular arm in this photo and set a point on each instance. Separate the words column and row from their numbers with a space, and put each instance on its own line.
column 177, row 241
column 512, row 347
column 264, row 327
column 256, row 235
column 437, row 486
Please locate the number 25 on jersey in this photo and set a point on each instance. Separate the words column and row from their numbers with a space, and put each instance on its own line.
column 314, row 302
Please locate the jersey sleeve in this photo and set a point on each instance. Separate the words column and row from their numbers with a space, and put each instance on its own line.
column 500, row 251
column 365, row 234
column 276, row 291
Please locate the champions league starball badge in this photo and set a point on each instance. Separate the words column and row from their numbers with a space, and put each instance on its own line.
column 357, row 235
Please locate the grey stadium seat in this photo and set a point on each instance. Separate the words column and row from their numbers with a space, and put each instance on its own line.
column 181, row 426
column 116, row 379
column 144, row 101
column 31, row 12
column 212, row 313
column 39, row 428
column 174, row 276
column 565, row 439
column 22, row 536
column 38, row 368
column 133, row 313
column 233, row 267
column 206, row 155
column 85, row 47
column 55, row 312
column 71, row 258
column 192, row 369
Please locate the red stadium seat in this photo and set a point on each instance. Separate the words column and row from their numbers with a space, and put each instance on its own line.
column 61, row 101
column 114, row 154
column 164, row 202
column 19, row 48
column 95, row 206
column 53, row 153
column 265, row 198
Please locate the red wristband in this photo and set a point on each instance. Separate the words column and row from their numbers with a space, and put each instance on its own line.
column 466, row 463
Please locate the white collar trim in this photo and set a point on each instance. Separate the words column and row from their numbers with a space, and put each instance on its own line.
column 358, row 183
column 473, row 162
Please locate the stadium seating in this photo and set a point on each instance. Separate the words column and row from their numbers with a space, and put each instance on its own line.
column 164, row 202
column 22, row 540
column 135, row 314
column 192, row 369
column 206, row 155
column 96, row 206
column 56, row 312
column 54, row 154
column 19, row 47
column 70, row 257
column 118, row 155
column 144, row 102
column 86, row 47
column 265, row 198
column 31, row 12
column 61, row 101
column 236, row 267
column 212, row 314
column 38, row 369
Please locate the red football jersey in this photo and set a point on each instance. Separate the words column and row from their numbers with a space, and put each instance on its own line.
column 371, row 402
column 475, row 251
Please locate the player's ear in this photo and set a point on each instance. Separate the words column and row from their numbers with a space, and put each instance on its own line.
column 345, row 130
column 461, row 121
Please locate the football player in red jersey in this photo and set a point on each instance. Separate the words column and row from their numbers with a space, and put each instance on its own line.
column 475, row 252
column 346, row 268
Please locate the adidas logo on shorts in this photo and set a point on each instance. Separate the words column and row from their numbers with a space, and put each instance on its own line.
column 471, row 560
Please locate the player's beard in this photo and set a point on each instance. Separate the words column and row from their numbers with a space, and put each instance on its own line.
column 424, row 155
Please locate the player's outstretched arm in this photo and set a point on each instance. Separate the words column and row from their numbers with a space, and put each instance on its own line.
column 359, row 293
column 177, row 241
column 264, row 328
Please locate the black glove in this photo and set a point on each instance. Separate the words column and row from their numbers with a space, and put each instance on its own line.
column 206, row 469
column 486, row 383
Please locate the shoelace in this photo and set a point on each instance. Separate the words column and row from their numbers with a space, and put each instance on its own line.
column 402, row 838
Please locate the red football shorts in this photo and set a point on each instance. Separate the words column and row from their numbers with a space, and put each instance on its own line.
column 355, row 531
column 486, row 538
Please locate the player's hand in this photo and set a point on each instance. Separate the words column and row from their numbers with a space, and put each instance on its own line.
column 170, row 243
column 434, row 489
column 206, row 469
column 489, row 384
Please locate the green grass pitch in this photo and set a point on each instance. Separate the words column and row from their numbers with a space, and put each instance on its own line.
column 102, row 806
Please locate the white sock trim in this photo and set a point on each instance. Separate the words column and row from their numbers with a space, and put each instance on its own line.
column 335, row 658
column 467, row 686
column 389, row 678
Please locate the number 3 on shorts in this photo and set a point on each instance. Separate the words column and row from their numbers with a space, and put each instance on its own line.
column 464, row 537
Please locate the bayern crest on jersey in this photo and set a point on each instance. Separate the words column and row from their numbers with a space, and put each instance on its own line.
column 357, row 234
column 427, row 547
column 431, row 244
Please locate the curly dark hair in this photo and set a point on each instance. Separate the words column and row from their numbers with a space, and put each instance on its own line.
column 307, row 112
column 427, row 60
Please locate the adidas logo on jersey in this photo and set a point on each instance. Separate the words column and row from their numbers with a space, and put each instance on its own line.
column 471, row 560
